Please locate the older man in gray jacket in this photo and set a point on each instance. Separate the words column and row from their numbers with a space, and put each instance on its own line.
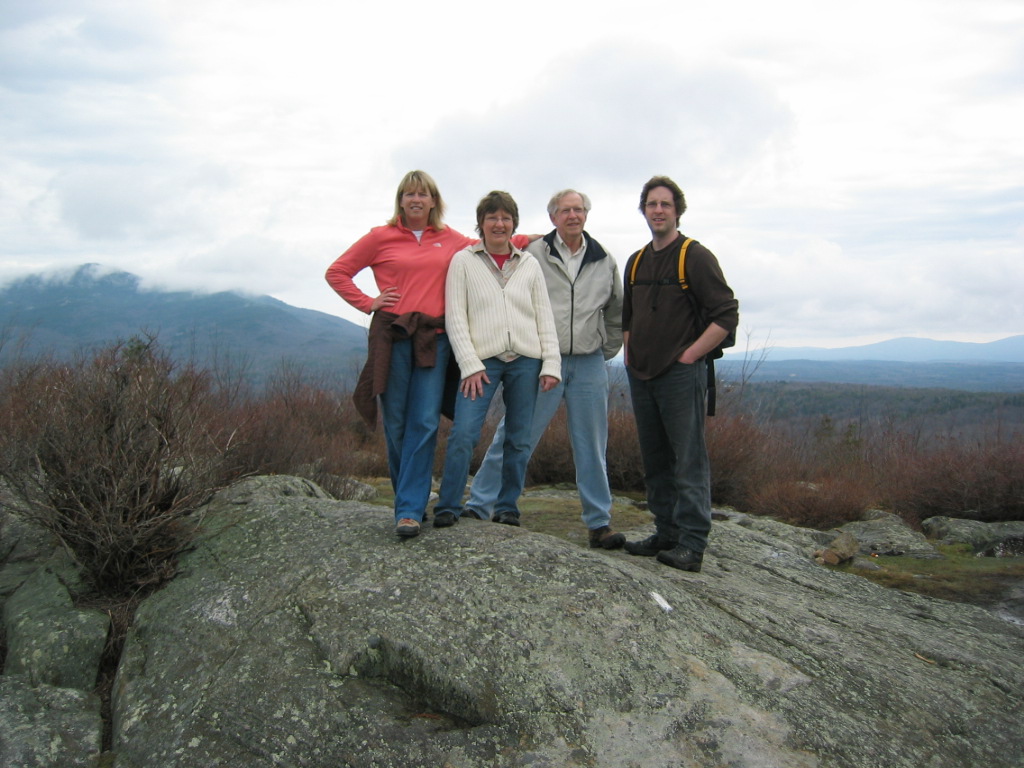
column 586, row 297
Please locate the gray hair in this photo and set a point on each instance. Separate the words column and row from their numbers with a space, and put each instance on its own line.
column 557, row 198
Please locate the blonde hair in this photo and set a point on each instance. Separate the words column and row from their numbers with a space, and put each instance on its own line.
column 419, row 180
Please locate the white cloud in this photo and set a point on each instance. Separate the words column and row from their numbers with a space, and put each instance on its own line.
column 855, row 168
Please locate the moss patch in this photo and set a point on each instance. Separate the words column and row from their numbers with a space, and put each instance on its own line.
column 551, row 509
column 959, row 575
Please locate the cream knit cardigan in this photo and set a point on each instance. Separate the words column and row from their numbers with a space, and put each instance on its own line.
column 485, row 319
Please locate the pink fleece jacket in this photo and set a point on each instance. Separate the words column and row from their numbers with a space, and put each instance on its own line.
column 417, row 269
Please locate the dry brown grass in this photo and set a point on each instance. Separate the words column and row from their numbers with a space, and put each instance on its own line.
column 303, row 427
column 980, row 479
column 116, row 452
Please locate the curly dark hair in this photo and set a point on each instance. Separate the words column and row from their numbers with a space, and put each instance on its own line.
column 671, row 186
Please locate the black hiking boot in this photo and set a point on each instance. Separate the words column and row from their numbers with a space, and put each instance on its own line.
column 682, row 558
column 648, row 547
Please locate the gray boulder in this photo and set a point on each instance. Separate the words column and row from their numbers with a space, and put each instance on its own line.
column 986, row 539
column 49, row 640
column 43, row 726
column 23, row 546
column 883, row 533
column 48, row 718
column 302, row 632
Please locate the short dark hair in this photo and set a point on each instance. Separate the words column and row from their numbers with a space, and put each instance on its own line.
column 493, row 202
column 671, row 186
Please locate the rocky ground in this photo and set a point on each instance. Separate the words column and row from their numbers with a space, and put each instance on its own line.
column 301, row 631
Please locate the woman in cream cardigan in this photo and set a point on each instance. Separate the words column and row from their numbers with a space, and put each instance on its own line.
column 501, row 329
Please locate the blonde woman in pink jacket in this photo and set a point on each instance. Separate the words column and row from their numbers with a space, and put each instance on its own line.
column 408, row 349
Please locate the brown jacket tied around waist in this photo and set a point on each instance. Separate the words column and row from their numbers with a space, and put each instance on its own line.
column 386, row 328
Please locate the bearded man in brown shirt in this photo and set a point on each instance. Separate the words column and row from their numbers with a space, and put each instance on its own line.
column 667, row 337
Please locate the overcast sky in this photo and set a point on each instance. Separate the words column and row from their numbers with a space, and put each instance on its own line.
column 857, row 168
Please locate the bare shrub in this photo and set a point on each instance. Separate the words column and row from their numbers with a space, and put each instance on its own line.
column 975, row 479
column 740, row 452
column 827, row 502
column 304, row 427
column 625, row 467
column 552, row 461
column 113, row 455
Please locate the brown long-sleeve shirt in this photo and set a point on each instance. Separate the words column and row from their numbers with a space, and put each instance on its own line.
column 658, row 316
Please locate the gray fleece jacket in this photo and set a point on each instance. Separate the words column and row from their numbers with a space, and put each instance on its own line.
column 587, row 310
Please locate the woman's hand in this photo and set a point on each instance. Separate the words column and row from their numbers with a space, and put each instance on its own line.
column 473, row 386
column 387, row 299
column 547, row 383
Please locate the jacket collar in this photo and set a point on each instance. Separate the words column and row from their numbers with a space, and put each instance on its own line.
column 594, row 250
column 478, row 247
column 400, row 225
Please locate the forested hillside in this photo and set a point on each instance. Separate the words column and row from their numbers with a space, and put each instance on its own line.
column 924, row 411
column 933, row 411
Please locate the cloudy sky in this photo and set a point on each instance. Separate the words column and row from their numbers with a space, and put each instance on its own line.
column 856, row 167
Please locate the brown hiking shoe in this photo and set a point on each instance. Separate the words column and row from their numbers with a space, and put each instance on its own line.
column 407, row 528
column 605, row 538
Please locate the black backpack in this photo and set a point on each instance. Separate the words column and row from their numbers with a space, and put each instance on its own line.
column 699, row 313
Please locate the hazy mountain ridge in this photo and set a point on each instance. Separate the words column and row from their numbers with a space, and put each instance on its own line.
column 90, row 308
column 995, row 366
column 973, row 377
column 905, row 350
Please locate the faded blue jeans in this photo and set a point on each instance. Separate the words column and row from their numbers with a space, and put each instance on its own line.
column 669, row 411
column 519, row 379
column 584, row 387
column 411, row 410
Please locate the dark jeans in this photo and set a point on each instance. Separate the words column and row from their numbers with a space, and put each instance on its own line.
column 669, row 411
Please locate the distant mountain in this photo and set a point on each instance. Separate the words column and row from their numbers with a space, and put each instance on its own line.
column 907, row 350
column 257, row 335
column 996, row 366
column 91, row 308
column 973, row 377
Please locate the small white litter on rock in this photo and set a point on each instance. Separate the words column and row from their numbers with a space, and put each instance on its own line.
column 661, row 601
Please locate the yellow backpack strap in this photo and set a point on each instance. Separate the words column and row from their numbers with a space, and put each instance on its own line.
column 682, row 264
column 632, row 272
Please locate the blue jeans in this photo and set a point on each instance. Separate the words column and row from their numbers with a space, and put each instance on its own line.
column 519, row 380
column 411, row 409
column 584, row 387
column 669, row 411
